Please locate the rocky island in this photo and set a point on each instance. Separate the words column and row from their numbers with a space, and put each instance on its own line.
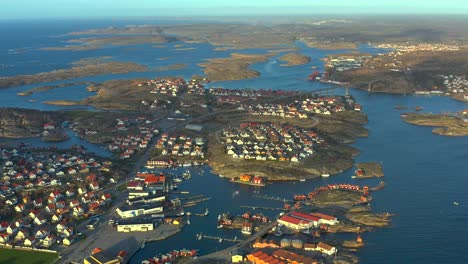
column 368, row 170
column 294, row 59
column 446, row 125
column 81, row 69
column 51, row 87
column 233, row 68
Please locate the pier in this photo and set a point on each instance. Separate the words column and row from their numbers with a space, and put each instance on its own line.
column 191, row 197
column 220, row 239
column 263, row 208
column 226, row 253
column 266, row 197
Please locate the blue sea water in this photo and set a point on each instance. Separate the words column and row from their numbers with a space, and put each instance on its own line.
column 425, row 173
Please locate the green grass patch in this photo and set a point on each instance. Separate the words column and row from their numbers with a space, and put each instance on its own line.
column 14, row 256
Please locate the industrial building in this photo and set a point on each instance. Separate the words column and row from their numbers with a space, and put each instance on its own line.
column 129, row 211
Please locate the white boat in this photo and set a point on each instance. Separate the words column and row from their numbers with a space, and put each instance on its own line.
column 246, row 232
column 187, row 175
column 325, row 175
column 456, row 203
column 302, row 180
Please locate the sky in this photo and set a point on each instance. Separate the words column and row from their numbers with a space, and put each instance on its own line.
column 24, row 9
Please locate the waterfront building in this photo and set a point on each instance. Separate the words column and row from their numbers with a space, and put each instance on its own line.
column 298, row 221
column 325, row 219
column 127, row 211
column 99, row 256
column 326, row 249
column 135, row 226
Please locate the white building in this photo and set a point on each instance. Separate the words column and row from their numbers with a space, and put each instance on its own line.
column 128, row 211
column 135, row 227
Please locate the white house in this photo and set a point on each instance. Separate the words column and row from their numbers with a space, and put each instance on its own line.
column 326, row 249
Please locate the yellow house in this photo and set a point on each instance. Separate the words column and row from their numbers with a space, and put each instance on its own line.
column 237, row 258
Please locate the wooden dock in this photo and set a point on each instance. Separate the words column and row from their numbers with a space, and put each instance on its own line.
column 263, row 208
column 266, row 197
column 191, row 197
column 220, row 239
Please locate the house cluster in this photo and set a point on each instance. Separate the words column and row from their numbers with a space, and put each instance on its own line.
column 304, row 221
column 456, row 84
column 280, row 110
column 127, row 145
column 180, row 145
column 346, row 62
column 195, row 87
column 269, row 141
column 237, row 96
column 50, row 131
column 402, row 48
column 47, row 220
column 23, row 170
column 165, row 86
column 329, row 105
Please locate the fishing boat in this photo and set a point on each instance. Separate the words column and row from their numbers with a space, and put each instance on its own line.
column 187, row 175
column 325, row 175
column 302, row 180
column 177, row 179
column 456, row 203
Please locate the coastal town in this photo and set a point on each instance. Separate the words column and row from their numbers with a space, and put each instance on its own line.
column 180, row 167
column 87, row 196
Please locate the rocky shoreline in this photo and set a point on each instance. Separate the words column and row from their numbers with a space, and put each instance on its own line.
column 446, row 125
column 235, row 67
column 78, row 71
column 294, row 59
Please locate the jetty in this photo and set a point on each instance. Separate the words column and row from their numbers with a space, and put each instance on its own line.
column 263, row 208
column 191, row 197
column 266, row 197
column 218, row 238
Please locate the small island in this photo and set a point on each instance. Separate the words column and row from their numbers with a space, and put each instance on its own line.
column 368, row 170
column 446, row 125
column 51, row 87
column 235, row 67
column 123, row 40
column 294, row 59
column 82, row 68
column 73, row 48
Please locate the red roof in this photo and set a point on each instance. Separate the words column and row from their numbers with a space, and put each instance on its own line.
column 96, row 250
column 304, row 216
column 324, row 216
column 292, row 220
column 154, row 179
